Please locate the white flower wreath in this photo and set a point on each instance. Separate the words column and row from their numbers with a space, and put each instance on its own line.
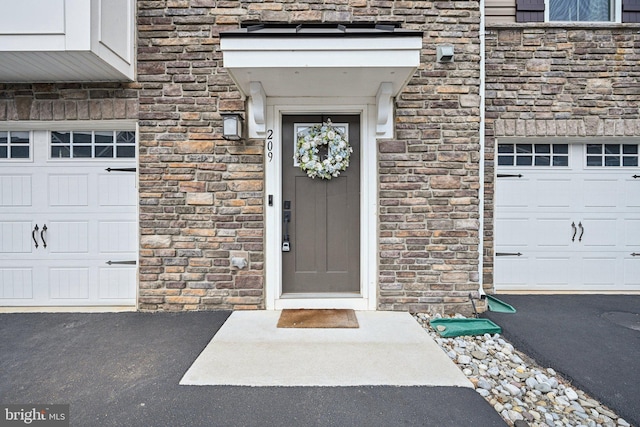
column 307, row 152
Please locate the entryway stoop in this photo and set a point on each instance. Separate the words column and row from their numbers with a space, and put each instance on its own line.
column 389, row 348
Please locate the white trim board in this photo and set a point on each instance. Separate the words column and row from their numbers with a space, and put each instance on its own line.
column 276, row 108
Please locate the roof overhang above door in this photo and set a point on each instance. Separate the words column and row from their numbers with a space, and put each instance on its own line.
column 321, row 61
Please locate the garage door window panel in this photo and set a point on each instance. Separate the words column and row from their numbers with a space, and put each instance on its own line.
column 612, row 155
column 630, row 155
column 560, row 155
column 537, row 155
column 93, row 144
column 125, row 144
column 15, row 145
column 104, row 144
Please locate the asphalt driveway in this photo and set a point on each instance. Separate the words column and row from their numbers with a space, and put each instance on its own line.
column 592, row 340
column 123, row 369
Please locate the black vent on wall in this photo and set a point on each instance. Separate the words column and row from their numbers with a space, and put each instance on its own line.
column 529, row 10
column 631, row 11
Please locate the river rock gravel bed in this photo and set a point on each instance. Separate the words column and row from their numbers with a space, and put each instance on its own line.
column 522, row 392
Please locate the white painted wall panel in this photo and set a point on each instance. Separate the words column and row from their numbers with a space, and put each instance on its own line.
column 66, row 237
column 631, row 231
column 69, row 283
column 631, row 272
column 32, row 17
column 117, row 237
column 552, row 271
column 16, row 283
column 600, row 193
column 115, row 34
column 513, row 231
column 551, row 233
column 513, row 271
column 15, row 190
column 78, row 29
column 110, row 187
column 68, row 190
column 631, row 190
column 600, row 233
column 553, row 193
column 598, row 271
column 15, row 237
column 117, row 283
column 67, row 40
column 513, row 193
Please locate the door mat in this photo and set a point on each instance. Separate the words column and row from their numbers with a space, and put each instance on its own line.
column 323, row 318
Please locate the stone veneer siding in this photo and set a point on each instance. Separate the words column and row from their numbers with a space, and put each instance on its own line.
column 545, row 80
column 202, row 198
column 68, row 101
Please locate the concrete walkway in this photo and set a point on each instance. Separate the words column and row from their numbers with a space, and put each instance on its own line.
column 592, row 340
column 389, row 348
column 124, row 369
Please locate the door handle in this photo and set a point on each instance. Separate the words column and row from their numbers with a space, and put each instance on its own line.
column 33, row 235
column 286, row 218
column 44, row 242
column 581, row 231
column 575, row 230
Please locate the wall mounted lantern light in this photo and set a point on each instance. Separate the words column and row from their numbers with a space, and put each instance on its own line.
column 232, row 126
column 444, row 53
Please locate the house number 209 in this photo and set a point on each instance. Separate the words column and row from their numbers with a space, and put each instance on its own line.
column 270, row 144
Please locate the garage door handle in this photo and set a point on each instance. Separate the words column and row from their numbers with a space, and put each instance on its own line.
column 44, row 242
column 120, row 169
column 581, row 231
column 33, row 235
column 121, row 262
column 575, row 230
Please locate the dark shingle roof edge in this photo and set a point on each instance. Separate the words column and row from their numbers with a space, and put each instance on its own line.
column 321, row 30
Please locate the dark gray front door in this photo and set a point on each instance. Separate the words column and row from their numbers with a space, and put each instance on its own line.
column 324, row 230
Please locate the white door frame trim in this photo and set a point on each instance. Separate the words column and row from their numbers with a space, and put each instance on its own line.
column 276, row 108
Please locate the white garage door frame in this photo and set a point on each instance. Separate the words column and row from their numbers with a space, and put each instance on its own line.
column 38, row 154
column 567, row 229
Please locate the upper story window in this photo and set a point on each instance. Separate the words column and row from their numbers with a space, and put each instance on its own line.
column 15, row 145
column 578, row 11
column 581, row 10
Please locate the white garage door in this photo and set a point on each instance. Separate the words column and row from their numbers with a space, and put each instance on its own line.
column 68, row 233
column 567, row 217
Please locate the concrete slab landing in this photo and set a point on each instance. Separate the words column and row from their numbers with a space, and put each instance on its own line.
column 389, row 348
